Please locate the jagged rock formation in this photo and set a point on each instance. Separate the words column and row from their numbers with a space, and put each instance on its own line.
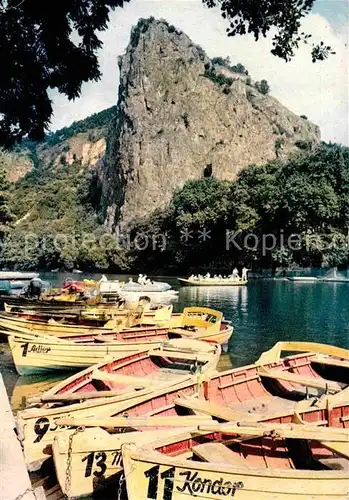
column 175, row 121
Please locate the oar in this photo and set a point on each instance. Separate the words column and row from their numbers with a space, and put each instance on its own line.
column 175, row 421
column 32, row 337
column 279, row 431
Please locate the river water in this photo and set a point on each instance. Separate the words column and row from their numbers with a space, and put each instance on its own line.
column 262, row 313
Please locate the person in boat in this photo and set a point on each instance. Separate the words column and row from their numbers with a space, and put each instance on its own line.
column 235, row 274
column 141, row 279
column 130, row 280
column 207, row 276
column 35, row 288
column 244, row 273
column 220, row 277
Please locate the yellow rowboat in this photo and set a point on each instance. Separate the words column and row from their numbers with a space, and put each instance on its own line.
column 199, row 319
column 100, row 313
column 223, row 396
column 271, row 462
column 212, row 282
column 93, row 443
column 198, row 323
column 21, row 323
column 86, row 475
column 33, row 354
column 144, row 371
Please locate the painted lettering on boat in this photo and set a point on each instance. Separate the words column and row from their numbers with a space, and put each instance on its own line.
column 98, row 460
column 193, row 484
column 37, row 349
column 44, row 425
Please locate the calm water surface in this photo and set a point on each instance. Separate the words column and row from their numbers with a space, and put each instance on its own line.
column 263, row 313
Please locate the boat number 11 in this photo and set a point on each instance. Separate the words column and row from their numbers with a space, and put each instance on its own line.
column 153, row 475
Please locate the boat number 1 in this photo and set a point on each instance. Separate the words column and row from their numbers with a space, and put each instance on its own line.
column 153, row 475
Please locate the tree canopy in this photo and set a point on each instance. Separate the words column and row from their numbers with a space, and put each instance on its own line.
column 47, row 46
column 279, row 214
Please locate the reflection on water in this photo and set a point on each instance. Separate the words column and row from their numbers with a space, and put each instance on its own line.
column 268, row 311
column 262, row 313
column 27, row 387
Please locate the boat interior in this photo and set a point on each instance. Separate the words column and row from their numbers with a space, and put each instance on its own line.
column 260, row 452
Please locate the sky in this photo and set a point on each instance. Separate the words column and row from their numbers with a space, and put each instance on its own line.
column 320, row 91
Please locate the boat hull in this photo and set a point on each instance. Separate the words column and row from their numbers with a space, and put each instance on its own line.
column 211, row 282
column 232, row 388
column 182, row 479
column 39, row 356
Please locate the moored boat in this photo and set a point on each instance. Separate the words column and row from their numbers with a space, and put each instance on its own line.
column 17, row 275
column 212, row 282
column 91, row 321
column 263, row 462
column 39, row 353
column 245, row 390
column 144, row 371
column 99, row 443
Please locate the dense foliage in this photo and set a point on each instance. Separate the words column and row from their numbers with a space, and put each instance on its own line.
column 97, row 120
column 50, row 48
column 44, row 48
column 278, row 214
column 284, row 17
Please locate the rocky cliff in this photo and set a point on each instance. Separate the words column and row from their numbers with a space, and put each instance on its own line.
column 179, row 118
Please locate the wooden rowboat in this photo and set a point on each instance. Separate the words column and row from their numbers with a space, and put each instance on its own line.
column 222, row 396
column 237, row 460
column 192, row 321
column 96, row 315
column 93, row 443
column 212, row 282
column 37, row 353
column 139, row 373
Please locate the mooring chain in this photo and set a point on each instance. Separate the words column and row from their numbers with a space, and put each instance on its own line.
column 121, row 484
column 28, row 490
column 68, row 470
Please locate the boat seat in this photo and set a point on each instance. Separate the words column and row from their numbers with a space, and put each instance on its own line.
column 217, row 452
column 336, row 463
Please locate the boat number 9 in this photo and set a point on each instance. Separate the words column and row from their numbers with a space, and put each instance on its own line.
column 41, row 427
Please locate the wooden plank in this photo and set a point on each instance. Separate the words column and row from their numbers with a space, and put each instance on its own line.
column 296, row 379
column 217, row 452
column 279, row 431
column 214, row 410
column 186, row 421
column 240, row 381
column 75, row 396
column 338, row 448
column 330, row 361
column 122, row 379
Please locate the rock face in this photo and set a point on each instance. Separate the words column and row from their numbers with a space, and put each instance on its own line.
column 177, row 121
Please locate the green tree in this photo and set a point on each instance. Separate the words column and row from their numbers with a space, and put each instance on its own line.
column 262, row 87
column 284, row 17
